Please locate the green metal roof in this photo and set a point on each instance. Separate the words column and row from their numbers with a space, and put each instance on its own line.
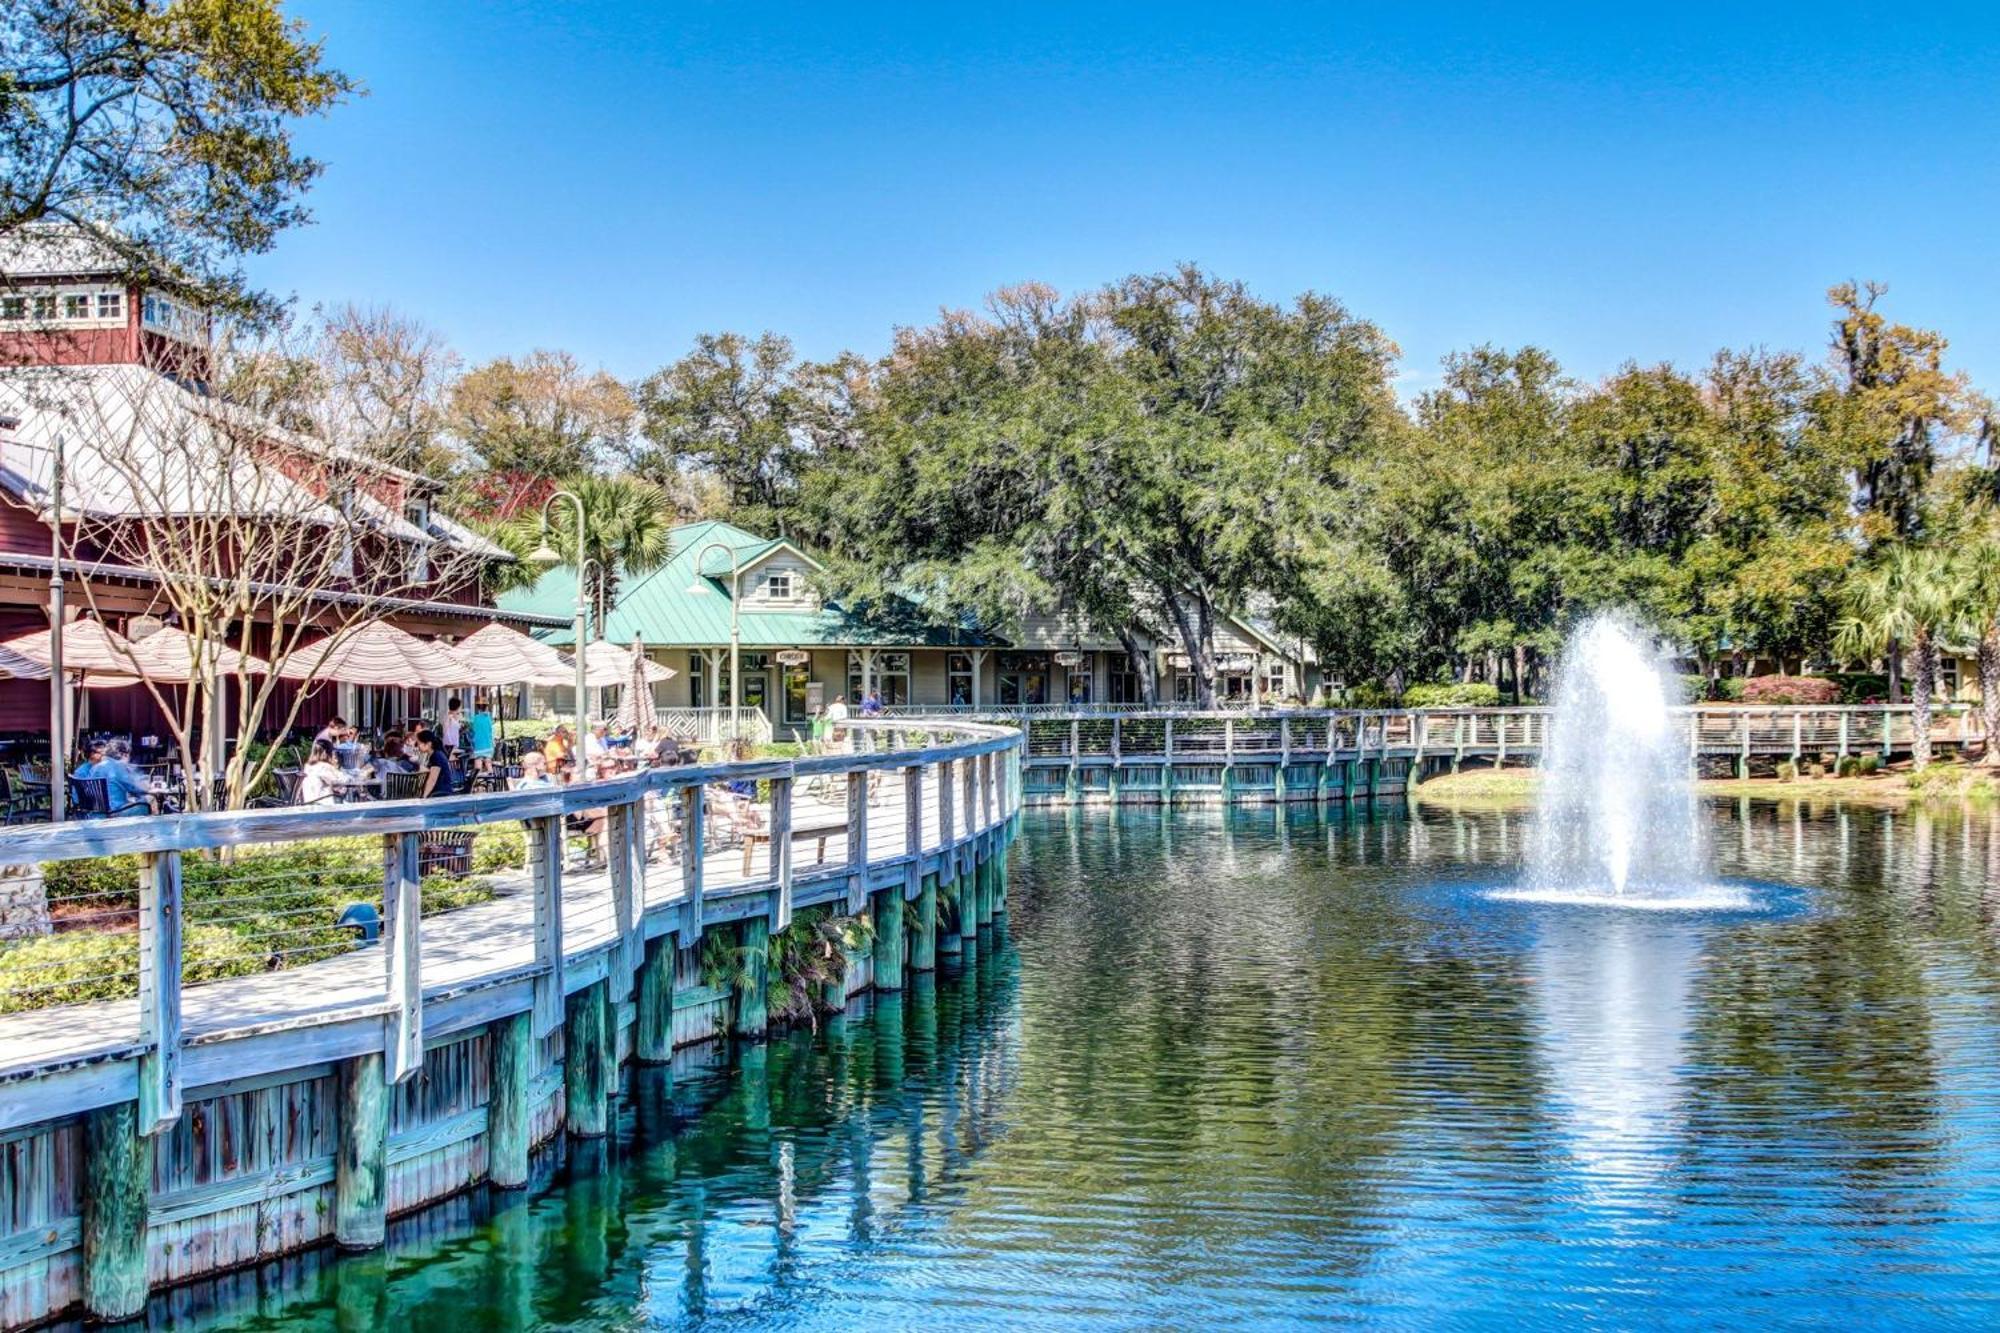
column 665, row 608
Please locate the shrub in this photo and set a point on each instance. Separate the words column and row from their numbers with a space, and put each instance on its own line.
column 1471, row 694
column 1694, row 689
column 1729, row 689
column 1790, row 690
column 1870, row 764
column 1787, row 771
column 1369, row 694
column 1860, row 687
column 1817, row 770
column 1850, row 766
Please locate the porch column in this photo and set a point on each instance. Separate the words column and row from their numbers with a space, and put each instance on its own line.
column 978, row 656
column 1257, row 679
column 867, row 672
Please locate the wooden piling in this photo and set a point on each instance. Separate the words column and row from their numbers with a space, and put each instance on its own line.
column 510, row 1110
column 117, row 1175
column 586, row 1095
column 753, row 984
column 653, row 1030
column 361, row 1156
column 889, row 938
column 923, row 938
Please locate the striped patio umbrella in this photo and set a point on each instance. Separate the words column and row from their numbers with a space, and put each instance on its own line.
column 496, row 655
column 636, row 713
column 168, row 656
column 607, row 664
column 376, row 653
column 93, row 656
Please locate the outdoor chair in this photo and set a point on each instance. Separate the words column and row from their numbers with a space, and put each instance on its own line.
column 22, row 805
column 91, row 799
column 402, row 786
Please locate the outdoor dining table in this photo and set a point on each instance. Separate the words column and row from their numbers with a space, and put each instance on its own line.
column 355, row 787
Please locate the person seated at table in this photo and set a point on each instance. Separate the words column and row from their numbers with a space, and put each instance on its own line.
column 395, row 755
column 556, row 749
column 321, row 780
column 534, row 773
column 332, row 731
column 596, row 745
column 126, row 790
column 440, row 779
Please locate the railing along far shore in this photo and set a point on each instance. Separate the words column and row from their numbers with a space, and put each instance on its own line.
column 606, row 866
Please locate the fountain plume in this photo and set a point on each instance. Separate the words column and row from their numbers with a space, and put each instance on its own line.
column 1617, row 816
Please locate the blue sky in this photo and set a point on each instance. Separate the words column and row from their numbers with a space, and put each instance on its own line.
column 1610, row 182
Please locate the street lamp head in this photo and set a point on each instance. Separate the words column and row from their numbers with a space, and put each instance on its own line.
column 544, row 556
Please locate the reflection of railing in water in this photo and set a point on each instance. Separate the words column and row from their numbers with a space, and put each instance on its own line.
column 454, row 1041
column 850, row 1128
column 1337, row 754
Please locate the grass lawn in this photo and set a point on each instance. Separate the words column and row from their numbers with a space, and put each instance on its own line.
column 1513, row 787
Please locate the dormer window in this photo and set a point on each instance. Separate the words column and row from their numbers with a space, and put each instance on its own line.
column 778, row 587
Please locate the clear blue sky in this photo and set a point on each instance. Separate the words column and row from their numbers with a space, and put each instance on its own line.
column 1611, row 182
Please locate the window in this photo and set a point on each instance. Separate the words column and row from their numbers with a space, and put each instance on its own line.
column 45, row 308
column 958, row 679
column 1024, row 678
column 111, row 305
column 697, row 697
column 76, row 305
column 13, row 307
column 1123, row 685
column 778, row 587
column 891, row 678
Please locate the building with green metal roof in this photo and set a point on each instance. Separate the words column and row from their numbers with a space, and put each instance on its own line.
column 797, row 651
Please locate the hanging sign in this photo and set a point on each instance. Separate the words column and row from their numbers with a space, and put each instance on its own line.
column 1236, row 663
column 792, row 657
column 1069, row 658
column 1179, row 661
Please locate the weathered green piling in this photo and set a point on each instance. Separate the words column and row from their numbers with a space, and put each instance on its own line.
column 361, row 1158
column 968, row 906
column 653, row 1032
column 753, row 980
column 117, row 1173
column 889, row 938
column 586, row 1095
column 509, row 1114
column 923, row 935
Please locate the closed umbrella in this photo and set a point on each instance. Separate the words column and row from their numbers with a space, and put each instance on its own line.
column 636, row 714
column 376, row 653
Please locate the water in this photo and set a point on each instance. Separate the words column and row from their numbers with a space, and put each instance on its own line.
column 1618, row 814
column 1253, row 1068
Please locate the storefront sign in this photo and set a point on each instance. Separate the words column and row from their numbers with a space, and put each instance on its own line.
column 792, row 657
column 1069, row 658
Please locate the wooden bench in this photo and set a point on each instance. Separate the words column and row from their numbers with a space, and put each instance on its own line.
column 818, row 828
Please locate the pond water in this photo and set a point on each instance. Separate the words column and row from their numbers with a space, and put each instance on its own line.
column 1251, row 1068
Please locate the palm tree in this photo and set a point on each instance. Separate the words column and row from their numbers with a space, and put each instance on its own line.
column 627, row 529
column 1918, row 595
column 1981, row 560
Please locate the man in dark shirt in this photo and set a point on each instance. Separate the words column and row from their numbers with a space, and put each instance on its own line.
column 439, row 777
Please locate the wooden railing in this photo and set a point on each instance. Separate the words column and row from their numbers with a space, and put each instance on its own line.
column 828, row 829
column 1276, row 735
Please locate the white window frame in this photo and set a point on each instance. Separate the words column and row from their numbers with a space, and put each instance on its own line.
column 778, row 585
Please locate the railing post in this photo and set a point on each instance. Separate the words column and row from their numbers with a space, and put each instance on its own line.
column 402, row 893
column 160, row 991
column 1888, row 732
column 781, row 851
column 628, row 876
column 947, row 812
column 692, row 874
column 1798, row 736
column 1743, row 744
column 545, row 850
column 857, row 842
column 1843, row 735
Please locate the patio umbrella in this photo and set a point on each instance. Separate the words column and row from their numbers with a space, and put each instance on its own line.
column 93, row 656
column 376, row 653
column 496, row 655
column 169, row 656
column 16, row 666
column 608, row 664
column 636, row 714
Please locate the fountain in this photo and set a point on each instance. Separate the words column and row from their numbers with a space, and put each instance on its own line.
column 1618, row 822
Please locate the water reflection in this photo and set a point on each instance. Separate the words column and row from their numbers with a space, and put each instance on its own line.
column 1272, row 1066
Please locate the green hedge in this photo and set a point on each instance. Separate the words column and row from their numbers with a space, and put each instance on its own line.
column 1473, row 694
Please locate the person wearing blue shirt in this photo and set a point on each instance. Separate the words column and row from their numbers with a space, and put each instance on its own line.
column 126, row 790
column 482, row 737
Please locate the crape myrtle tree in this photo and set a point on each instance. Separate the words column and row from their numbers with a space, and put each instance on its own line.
column 161, row 129
column 261, row 542
column 1143, row 458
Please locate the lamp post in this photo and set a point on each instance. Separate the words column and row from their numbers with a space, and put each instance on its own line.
column 546, row 557
column 58, row 686
column 700, row 589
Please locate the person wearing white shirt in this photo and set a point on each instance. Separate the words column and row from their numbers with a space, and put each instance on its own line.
column 321, row 778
